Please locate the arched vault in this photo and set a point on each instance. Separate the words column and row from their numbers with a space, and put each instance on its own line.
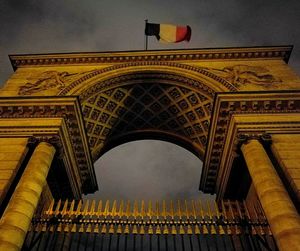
column 156, row 100
column 147, row 100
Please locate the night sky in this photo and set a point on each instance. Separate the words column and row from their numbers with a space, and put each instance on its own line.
column 144, row 169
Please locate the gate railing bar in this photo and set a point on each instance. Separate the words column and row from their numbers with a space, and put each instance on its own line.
column 229, row 217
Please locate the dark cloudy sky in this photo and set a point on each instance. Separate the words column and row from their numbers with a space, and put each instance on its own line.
column 150, row 170
column 34, row 26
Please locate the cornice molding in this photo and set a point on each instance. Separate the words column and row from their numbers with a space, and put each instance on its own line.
column 239, row 53
column 43, row 108
column 253, row 105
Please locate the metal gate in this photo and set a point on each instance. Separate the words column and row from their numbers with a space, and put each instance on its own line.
column 180, row 226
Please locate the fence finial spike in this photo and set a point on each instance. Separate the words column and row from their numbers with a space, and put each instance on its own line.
column 134, row 229
column 114, row 209
column 201, row 210
column 209, row 210
column 128, row 209
column 71, row 209
column 150, row 230
column 106, row 209
column 143, row 214
column 179, row 209
column 96, row 229
column 189, row 229
column 166, row 230
column 181, row 230
column 135, row 209
column 121, row 209
column 92, row 210
column 217, row 210
column 157, row 230
column 187, row 214
column 99, row 209
column 150, row 213
column 172, row 209
column 164, row 210
column 78, row 210
column 119, row 229
column 104, row 229
column 157, row 209
column 51, row 207
column 194, row 209
column 86, row 207
column 173, row 230
column 57, row 207
column 65, row 207
column 111, row 229
column 142, row 230
column 89, row 228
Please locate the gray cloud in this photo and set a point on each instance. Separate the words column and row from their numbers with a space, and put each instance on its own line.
column 148, row 169
column 71, row 25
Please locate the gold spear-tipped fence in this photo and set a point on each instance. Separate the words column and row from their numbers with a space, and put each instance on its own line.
column 227, row 217
column 141, row 218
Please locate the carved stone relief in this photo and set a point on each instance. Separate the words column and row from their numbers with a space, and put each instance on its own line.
column 237, row 75
column 240, row 75
column 49, row 80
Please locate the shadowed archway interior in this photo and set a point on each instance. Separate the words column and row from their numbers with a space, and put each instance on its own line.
column 148, row 170
column 147, row 107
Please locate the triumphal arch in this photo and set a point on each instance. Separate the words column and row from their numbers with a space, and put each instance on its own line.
column 237, row 109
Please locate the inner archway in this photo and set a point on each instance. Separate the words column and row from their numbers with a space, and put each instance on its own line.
column 146, row 106
column 148, row 170
column 149, row 104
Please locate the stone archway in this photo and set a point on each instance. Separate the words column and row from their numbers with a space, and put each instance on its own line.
column 153, row 100
column 164, row 94
column 144, row 103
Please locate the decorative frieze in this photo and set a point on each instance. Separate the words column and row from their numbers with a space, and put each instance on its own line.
column 280, row 52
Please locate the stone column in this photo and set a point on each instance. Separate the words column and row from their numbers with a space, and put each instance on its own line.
column 281, row 213
column 16, row 219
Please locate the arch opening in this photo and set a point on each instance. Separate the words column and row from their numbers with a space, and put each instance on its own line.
column 153, row 135
column 158, row 103
column 148, row 170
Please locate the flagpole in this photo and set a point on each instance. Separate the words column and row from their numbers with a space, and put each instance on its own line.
column 146, row 37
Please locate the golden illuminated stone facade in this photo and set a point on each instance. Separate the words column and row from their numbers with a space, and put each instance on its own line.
column 213, row 102
column 16, row 220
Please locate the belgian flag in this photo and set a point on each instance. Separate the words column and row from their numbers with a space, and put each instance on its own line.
column 168, row 33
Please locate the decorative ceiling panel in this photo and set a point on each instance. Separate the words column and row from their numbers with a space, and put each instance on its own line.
column 147, row 106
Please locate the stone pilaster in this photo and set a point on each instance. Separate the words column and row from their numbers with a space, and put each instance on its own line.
column 16, row 219
column 281, row 213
